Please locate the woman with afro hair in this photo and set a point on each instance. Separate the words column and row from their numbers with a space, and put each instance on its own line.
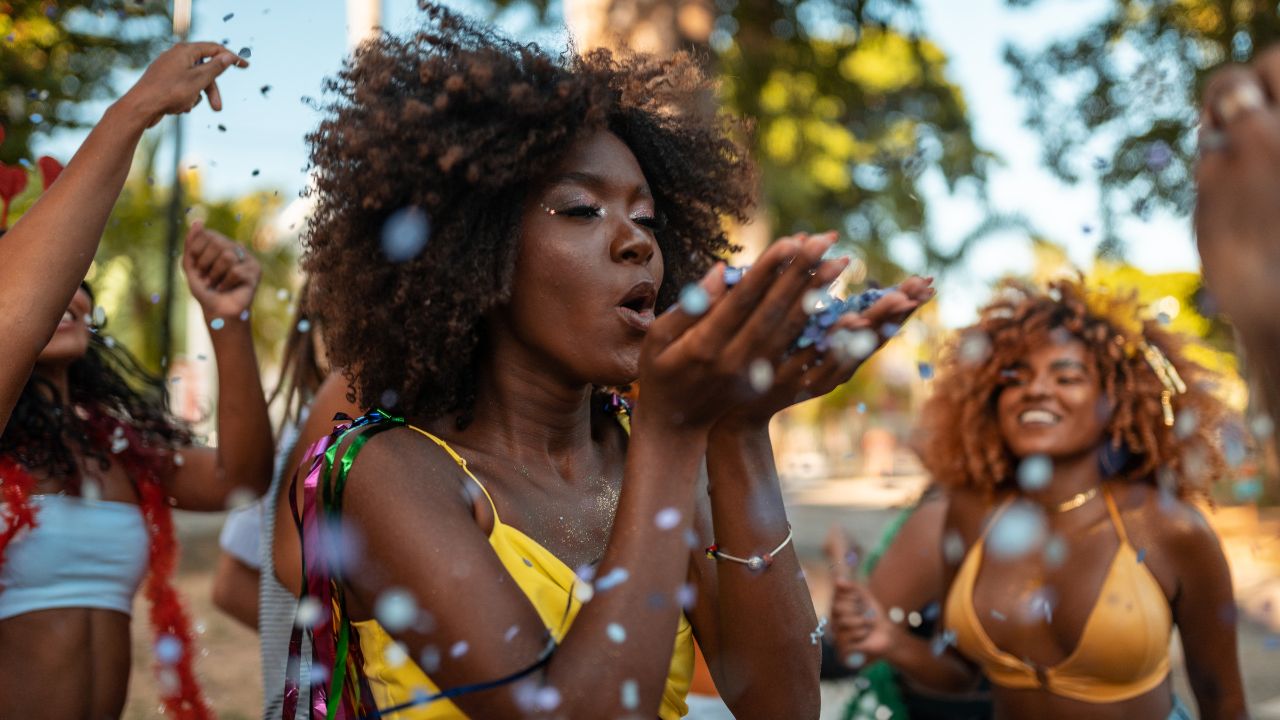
column 1069, row 435
column 509, row 541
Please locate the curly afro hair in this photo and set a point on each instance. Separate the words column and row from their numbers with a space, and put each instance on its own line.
column 1185, row 460
column 458, row 123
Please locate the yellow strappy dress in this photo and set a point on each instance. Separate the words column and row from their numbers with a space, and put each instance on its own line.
column 548, row 583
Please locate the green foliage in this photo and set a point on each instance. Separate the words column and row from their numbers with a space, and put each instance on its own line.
column 54, row 56
column 128, row 271
column 1120, row 96
column 852, row 107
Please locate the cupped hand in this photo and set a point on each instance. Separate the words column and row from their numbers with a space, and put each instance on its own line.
column 223, row 276
column 1237, row 218
column 822, row 367
column 694, row 367
column 174, row 81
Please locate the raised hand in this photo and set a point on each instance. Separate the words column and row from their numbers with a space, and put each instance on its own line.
column 175, row 80
column 781, row 381
column 223, row 276
column 694, row 366
column 1237, row 217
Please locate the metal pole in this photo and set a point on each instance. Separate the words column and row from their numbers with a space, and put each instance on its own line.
column 181, row 30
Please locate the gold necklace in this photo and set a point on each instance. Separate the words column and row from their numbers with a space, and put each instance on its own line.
column 1076, row 500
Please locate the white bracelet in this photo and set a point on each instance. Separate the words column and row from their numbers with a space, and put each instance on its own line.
column 755, row 562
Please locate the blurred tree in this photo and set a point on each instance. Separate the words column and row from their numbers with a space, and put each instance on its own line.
column 128, row 271
column 854, row 113
column 55, row 56
column 1118, row 99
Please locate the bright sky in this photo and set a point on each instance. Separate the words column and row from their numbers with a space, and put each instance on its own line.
column 296, row 44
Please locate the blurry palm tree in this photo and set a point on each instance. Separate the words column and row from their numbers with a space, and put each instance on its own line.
column 55, row 56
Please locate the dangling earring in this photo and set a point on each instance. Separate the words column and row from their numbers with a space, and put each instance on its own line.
column 1112, row 458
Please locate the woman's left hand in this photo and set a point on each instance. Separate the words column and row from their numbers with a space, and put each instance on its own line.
column 223, row 275
column 811, row 372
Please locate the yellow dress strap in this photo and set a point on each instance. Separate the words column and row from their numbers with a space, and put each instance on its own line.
column 1115, row 517
column 462, row 463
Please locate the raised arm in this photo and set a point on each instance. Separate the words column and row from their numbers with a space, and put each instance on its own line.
column 47, row 253
column 223, row 277
column 757, row 628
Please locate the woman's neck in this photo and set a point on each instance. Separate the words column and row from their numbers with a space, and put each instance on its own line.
column 531, row 416
column 1071, row 477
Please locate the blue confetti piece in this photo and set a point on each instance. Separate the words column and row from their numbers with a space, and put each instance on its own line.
column 1142, row 555
column 926, row 371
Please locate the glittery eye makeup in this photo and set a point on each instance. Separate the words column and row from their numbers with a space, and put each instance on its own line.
column 654, row 222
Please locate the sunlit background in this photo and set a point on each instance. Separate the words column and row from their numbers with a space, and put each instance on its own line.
column 967, row 140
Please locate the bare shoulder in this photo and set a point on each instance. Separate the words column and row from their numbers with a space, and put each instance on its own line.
column 1176, row 525
column 401, row 465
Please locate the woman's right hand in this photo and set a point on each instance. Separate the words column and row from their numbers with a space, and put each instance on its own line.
column 694, row 367
column 862, row 631
column 174, row 81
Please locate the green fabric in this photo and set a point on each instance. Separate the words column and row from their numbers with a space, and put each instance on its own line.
column 877, row 684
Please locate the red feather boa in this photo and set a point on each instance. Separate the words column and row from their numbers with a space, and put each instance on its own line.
column 180, row 691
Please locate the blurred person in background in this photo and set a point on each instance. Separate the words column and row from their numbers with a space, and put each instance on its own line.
column 245, row 584
column 47, row 253
column 1070, row 436
column 1237, row 217
column 90, row 465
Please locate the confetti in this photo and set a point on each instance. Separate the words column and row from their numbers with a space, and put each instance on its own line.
column 953, row 548
column 926, row 371
column 217, row 323
column 395, row 609
column 1055, row 552
column 255, row 172
column 861, row 408
column 760, row 375
column 1142, row 555
column 694, row 300
column 511, row 633
column 119, row 445
column 1019, row 530
column 896, row 615
column 168, row 650
column 429, row 660
column 244, row 315
column 630, row 694
column 245, row 53
column 915, row 619
column 547, row 698
column 459, row 649
column 855, row 660
column 264, row 90
column 304, row 325
column 228, row 16
column 155, row 298
column 1034, row 472
column 667, row 518
column 616, row 633
column 405, row 234
column 612, row 579
column 815, row 301
column 308, row 613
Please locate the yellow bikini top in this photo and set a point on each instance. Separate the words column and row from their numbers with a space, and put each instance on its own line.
column 548, row 583
column 1123, row 651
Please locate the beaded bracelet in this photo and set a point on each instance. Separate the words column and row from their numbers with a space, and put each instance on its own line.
column 755, row 562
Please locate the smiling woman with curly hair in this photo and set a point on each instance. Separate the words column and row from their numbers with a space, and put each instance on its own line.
column 1069, row 433
column 497, row 238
